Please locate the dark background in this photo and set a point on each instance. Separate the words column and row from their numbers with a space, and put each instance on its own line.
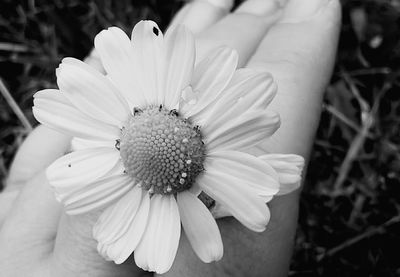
column 349, row 218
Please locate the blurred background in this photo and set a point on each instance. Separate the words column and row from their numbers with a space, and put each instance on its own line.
column 350, row 209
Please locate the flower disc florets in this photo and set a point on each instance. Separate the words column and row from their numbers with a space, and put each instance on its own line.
column 161, row 150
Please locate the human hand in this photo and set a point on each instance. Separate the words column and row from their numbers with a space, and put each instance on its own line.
column 299, row 59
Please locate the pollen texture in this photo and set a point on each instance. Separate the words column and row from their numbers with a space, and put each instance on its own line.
column 162, row 151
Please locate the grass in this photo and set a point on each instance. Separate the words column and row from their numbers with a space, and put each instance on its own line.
column 349, row 219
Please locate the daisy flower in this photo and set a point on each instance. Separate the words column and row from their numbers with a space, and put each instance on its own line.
column 162, row 140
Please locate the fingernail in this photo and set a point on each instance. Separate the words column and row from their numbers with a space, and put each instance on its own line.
column 301, row 10
column 259, row 7
column 222, row 4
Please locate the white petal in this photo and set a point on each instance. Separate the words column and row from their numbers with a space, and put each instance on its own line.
column 241, row 132
column 289, row 167
column 253, row 89
column 97, row 194
column 115, row 220
column 180, row 57
column 51, row 108
column 249, row 170
column 200, row 227
column 210, row 77
column 157, row 249
column 280, row 160
column 81, row 144
column 91, row 92
column 125, row 225
column 118, row 169
column 117, row 55
column 131, row 239
column 243, row 203
column 149, row 54
column 220, row 211
column 78, row 169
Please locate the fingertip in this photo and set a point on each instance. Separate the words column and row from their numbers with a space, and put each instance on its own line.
column 243, row 29
column 40, row 149
column 297, row 11
column 335, row 9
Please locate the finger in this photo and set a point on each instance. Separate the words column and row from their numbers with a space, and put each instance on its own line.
column 199, row 15
column 299, row 52
column 39, row 150
column 242, row 30
column 6, row 201
column 27, row 234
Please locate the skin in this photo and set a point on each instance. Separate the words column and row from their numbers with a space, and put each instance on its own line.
column 296, row 41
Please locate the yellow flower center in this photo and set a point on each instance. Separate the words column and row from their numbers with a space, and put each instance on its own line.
column 161, row 150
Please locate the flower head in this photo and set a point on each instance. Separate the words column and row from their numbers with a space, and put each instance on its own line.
column 162, row 140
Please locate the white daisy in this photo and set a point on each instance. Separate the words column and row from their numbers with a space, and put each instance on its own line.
column 158, row 133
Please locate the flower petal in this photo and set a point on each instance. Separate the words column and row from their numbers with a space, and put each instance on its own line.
column 148, row 48
column 248, row 90
column 131, row 239
column 97, row 194
column 249, row 170
column 289, row 168
column 91, row 92
column 115, row 220
column 78, row 169
column 157, row 249
column 180, row 57
column 220, row 211
column 53, row 109
column 200, row 227
column 210, row 77
column 117, row 55
column 243, row 132
column 122, row 227
column 242, row 202
column 81, row 144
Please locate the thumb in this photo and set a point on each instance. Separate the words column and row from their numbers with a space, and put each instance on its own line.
column 39, row 149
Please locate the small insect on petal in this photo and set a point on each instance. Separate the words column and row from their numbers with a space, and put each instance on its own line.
column 156, row 31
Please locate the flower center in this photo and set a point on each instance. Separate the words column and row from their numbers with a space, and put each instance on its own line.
column 161, row 150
